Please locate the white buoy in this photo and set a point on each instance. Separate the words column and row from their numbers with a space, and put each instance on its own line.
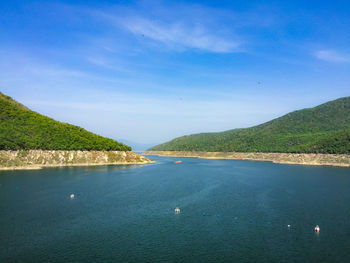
column 72, row 196
column 317, row 229
column 288, row 226
column 177, row 210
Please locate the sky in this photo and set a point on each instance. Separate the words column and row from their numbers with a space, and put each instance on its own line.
column 150, row 71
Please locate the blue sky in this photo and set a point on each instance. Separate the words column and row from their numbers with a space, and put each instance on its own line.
column 149, row 71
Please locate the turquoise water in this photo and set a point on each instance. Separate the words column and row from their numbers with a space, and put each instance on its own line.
column 231, row 211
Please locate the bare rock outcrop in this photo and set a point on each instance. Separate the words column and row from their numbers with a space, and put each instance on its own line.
column 34, row 159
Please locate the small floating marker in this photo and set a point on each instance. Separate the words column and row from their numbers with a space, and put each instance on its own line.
column 317, row 229
column 177, row 210
column 288, row 226
column 72, row 196
column 178, row 162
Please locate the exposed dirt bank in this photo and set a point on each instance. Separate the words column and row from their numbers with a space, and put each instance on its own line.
column 36, row 159
column 285, row 158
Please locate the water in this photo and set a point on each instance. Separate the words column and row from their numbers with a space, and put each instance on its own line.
column 231, row 211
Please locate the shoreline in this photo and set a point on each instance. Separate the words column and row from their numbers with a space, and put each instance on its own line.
column 38, row 159
column 38, row 167
column 339, row 160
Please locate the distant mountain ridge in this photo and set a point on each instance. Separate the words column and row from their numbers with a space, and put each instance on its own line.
column 137, row 146
column 322, row 129
column 24, row 129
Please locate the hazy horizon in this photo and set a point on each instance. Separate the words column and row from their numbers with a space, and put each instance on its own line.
column 150, row 72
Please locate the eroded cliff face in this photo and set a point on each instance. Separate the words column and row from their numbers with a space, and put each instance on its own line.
column 34, row 159
column 286, row 158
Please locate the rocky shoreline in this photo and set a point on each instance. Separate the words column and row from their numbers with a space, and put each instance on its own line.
column 37, row 159
column 342, row 160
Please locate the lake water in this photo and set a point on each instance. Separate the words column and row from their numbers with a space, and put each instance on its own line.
column 231, row 211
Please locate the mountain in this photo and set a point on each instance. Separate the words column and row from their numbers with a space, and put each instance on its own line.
column 22, row 128
column 137, row 146
column 322, row 129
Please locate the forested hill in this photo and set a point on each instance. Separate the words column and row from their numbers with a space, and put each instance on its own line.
column 21, row 128
column 322, row 129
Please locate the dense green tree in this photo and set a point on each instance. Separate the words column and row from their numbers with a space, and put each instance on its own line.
column 322, row 129
column 21, row 128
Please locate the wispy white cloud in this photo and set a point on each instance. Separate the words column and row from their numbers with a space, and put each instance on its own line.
column 332, row 56
column 181, row 35
column 191, row 27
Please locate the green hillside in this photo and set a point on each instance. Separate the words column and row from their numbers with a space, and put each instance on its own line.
column 322, row 129
column 21, row 128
